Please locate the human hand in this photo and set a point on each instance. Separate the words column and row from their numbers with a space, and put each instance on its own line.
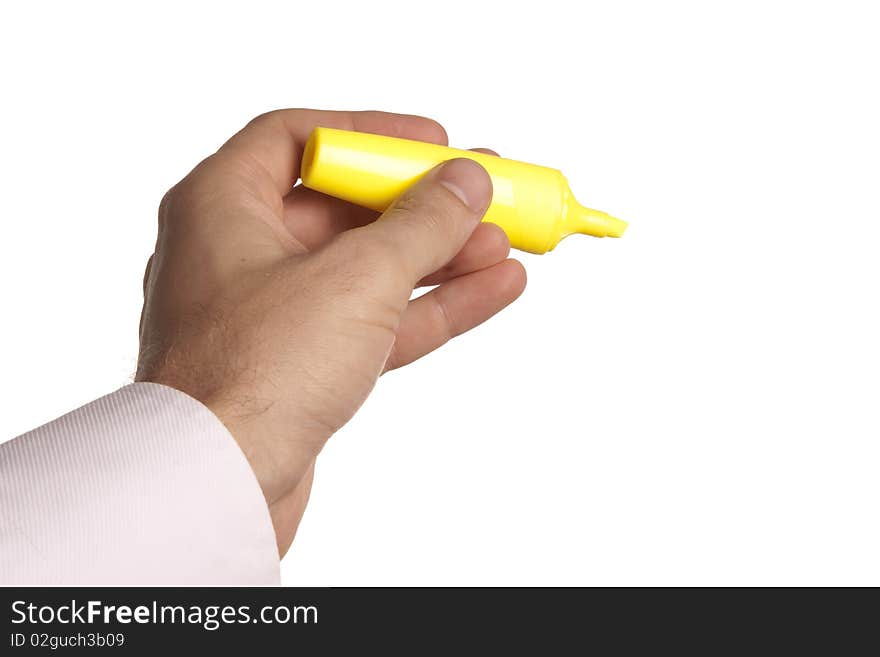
column 279, row 307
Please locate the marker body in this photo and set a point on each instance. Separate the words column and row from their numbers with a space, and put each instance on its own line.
column 531, row 203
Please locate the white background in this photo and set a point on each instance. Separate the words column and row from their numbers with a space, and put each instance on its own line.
column 696, row 403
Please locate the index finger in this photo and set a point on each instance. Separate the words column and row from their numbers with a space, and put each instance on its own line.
column 276, row 140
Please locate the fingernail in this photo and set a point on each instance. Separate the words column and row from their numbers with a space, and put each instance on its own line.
column 468, row 181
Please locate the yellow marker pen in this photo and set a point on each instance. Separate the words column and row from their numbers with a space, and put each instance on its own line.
column 533, row 204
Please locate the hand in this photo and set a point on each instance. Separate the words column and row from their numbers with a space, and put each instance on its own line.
column 279, row 307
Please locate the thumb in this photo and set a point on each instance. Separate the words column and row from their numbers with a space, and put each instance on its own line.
column 430, row 222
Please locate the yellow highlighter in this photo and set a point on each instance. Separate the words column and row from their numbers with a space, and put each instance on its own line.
column 531, row 203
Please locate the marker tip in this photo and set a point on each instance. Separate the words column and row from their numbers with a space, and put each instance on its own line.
column 615, row 227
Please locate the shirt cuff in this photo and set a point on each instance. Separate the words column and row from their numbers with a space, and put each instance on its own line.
column 144, row 486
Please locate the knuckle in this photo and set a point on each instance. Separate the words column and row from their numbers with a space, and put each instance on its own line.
column 266, row 118
column 212, row 183
column 445, row 317
column 372, row 254
column 274, row 118
column 414, row 213
column 166, row 204
column 147, row 271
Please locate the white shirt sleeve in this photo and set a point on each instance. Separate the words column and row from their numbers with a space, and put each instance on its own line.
column 144, row 486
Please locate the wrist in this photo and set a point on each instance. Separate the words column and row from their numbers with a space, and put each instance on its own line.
column 278, row 443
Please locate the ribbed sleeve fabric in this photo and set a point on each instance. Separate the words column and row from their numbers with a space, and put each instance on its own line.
column 142, row 487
